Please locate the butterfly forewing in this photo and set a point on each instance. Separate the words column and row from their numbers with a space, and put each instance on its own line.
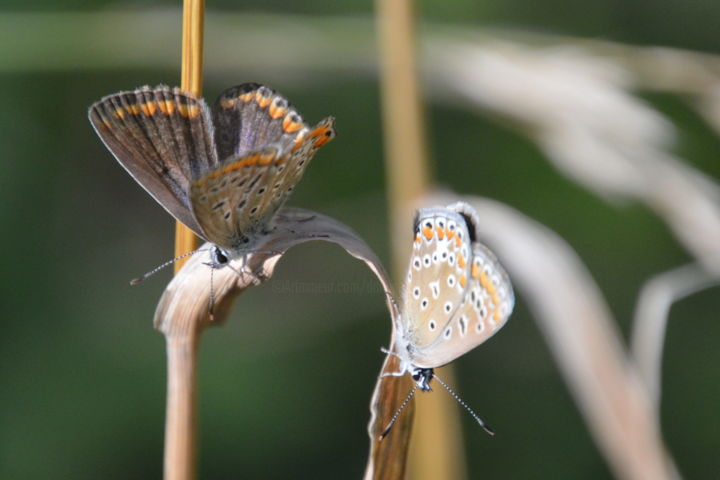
column 437, row 277
column 485, row 308
column 163, row 138
column 250, row 117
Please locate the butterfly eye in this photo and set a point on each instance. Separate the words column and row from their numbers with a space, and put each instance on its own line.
column 218, row 256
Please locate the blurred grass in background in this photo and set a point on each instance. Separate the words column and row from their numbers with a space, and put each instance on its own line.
column 284, row 386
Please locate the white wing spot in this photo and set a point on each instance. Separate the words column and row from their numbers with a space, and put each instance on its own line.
column 480, row 326
column 451, row 280
column 448, row 307
column 431, row 325
column 426, row 260
column 424, row 304
column 416, row 263
column 447, row 332
column 416, row 292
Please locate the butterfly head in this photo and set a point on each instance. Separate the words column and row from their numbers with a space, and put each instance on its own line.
column 422, row 377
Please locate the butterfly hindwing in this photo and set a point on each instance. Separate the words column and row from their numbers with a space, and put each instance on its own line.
column 163, row 137
column 485, row 308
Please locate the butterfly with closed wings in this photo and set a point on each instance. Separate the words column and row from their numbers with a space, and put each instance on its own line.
column 456, row 296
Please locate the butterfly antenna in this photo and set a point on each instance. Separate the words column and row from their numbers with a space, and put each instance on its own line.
column 152, row 272
column 485, row 426
column 398, row 412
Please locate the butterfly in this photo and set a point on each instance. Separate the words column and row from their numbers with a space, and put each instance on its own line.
column 456, row 296
column 222, row 171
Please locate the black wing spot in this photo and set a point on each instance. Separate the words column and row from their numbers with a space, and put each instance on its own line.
column 255, row 180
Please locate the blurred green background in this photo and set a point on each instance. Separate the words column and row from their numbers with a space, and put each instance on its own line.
column 285, row 384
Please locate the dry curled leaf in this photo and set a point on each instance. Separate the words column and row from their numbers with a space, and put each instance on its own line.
column 186, row 303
